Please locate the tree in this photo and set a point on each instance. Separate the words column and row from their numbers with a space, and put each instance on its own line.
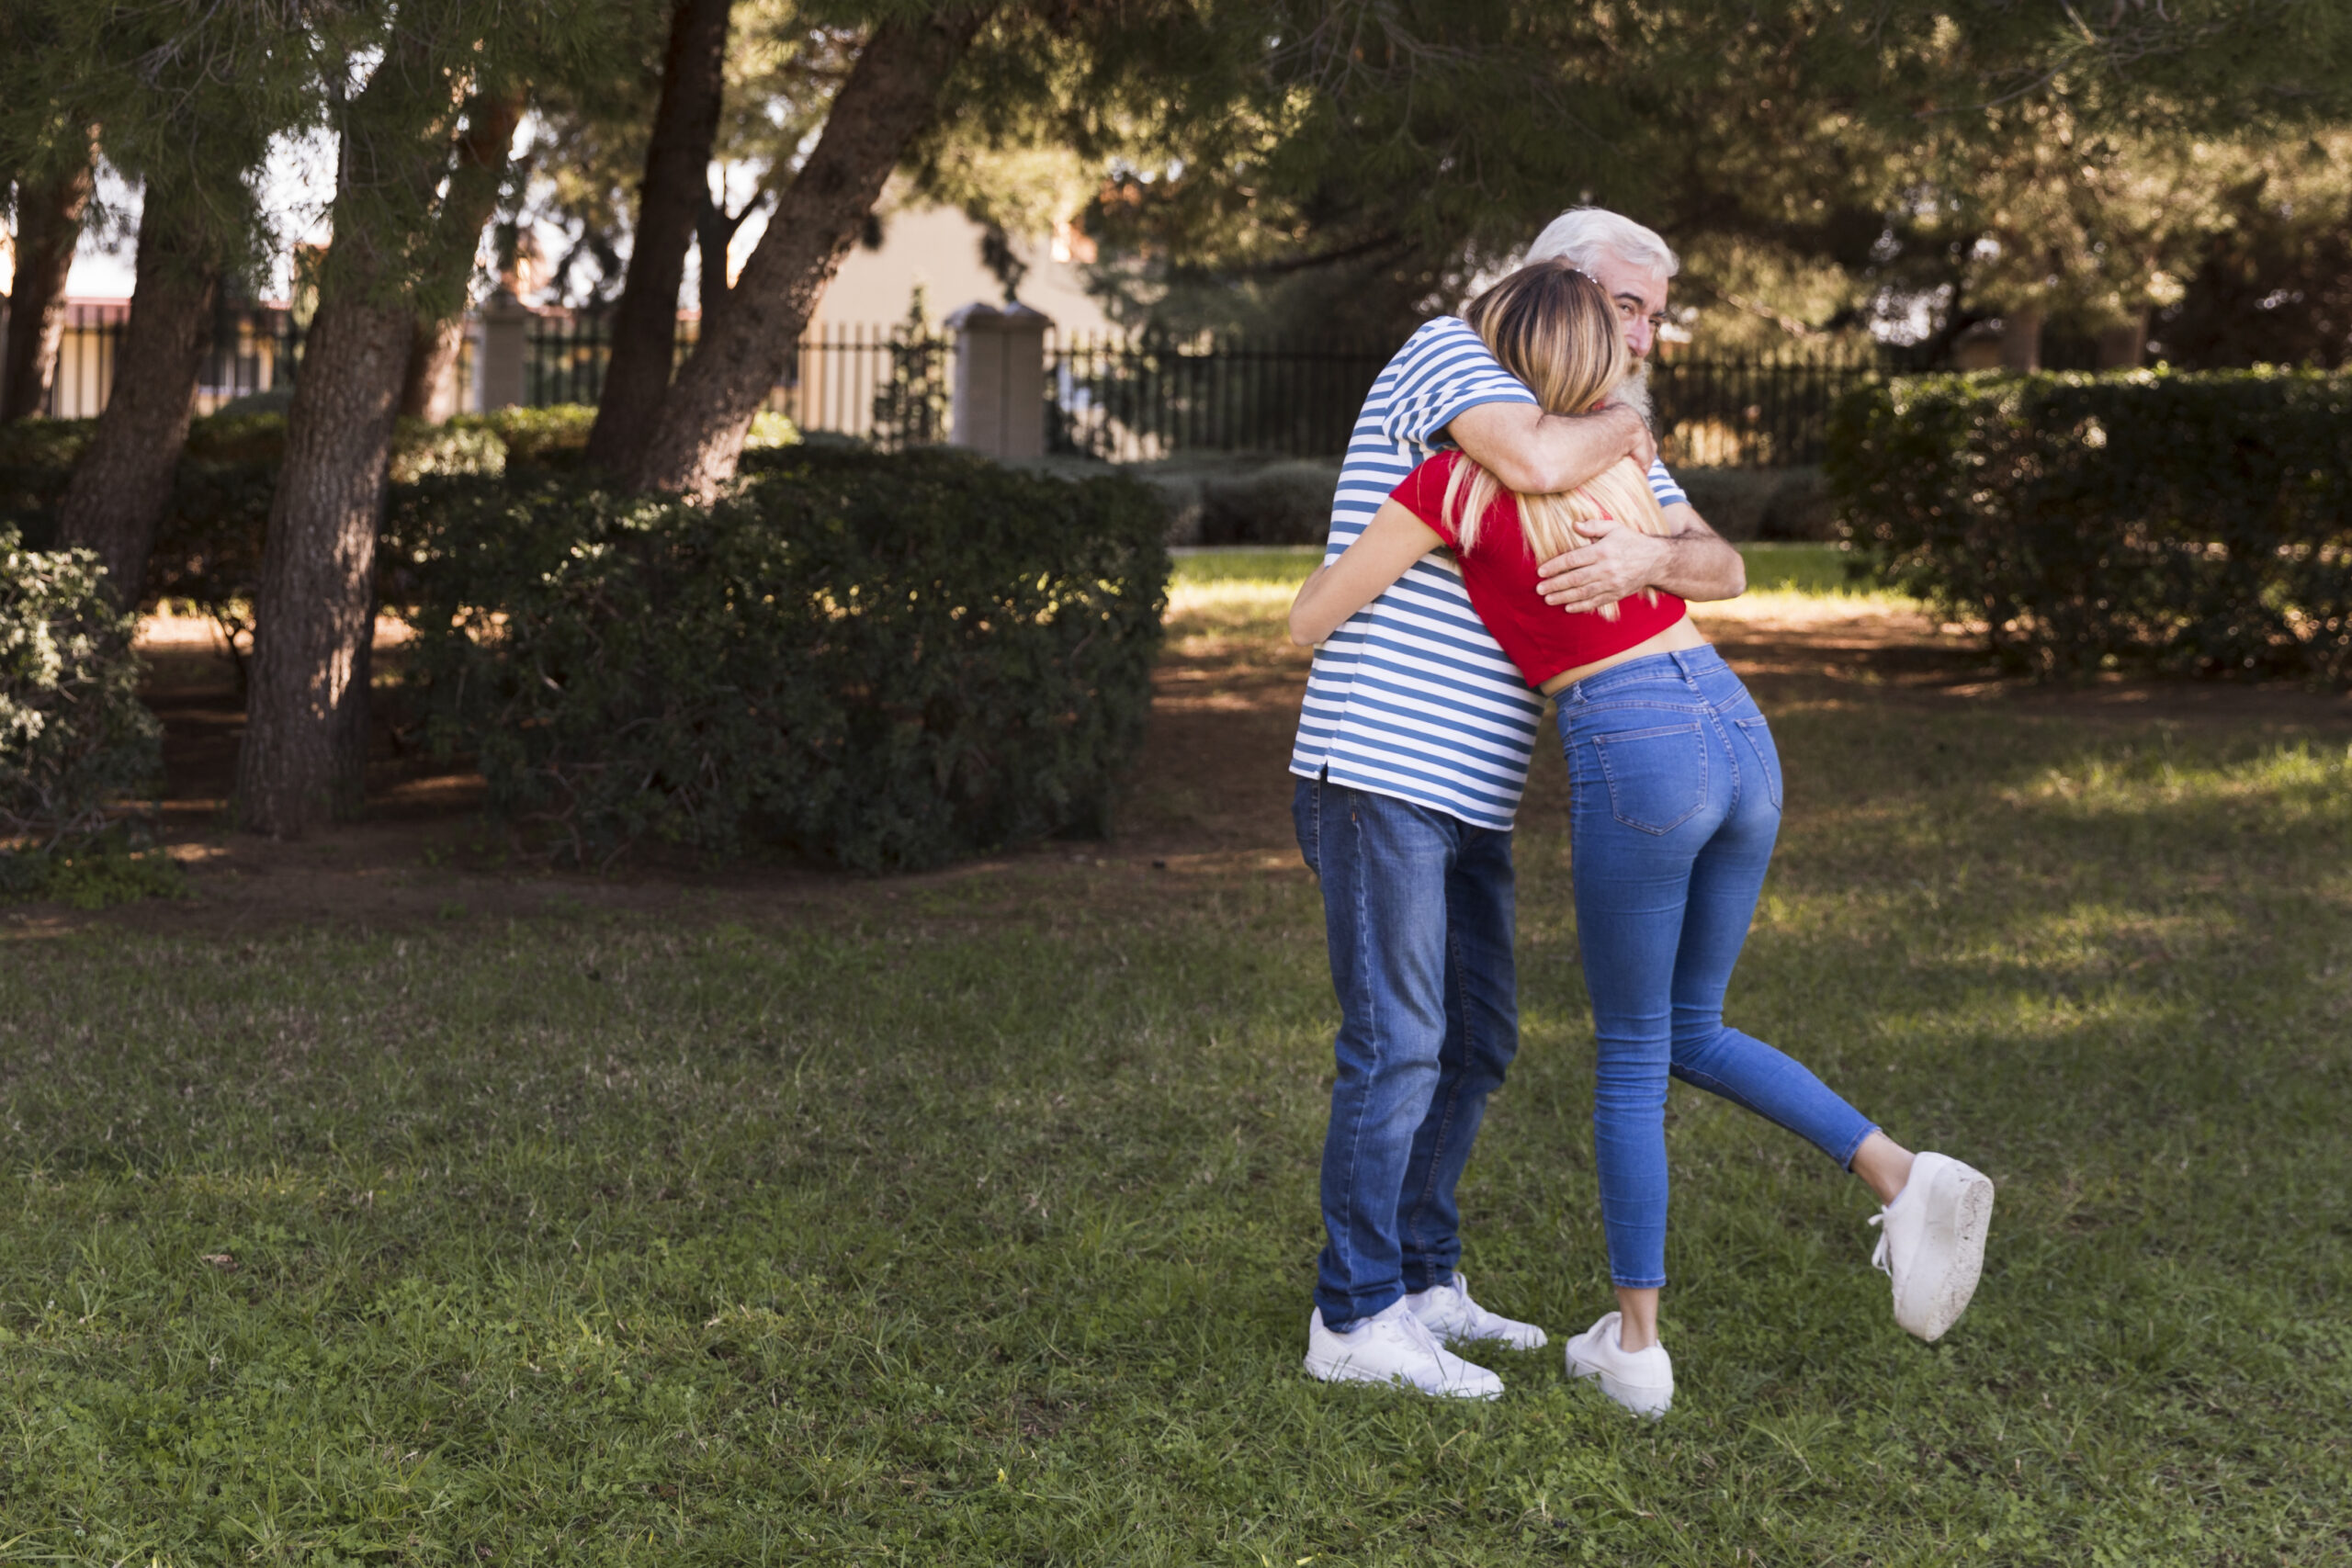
column 188, row 111
column 675, row 189
column 50, row 206
column 435, row 63
column 484, row 155
column 891, row 95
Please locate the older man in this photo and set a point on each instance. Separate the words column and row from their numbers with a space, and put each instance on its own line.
column 1413, row 748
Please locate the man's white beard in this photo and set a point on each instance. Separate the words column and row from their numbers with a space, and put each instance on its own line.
column 1633, row 391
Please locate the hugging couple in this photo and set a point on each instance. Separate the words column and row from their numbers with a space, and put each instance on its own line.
column 1503, row 533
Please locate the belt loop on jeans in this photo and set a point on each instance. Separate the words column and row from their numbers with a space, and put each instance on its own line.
column 1682, row 661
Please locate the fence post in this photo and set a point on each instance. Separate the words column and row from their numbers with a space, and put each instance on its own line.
column 505, row 346
column 999, row 404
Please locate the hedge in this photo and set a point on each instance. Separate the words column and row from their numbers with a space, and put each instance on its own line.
column 2195, row 522
column 74, row 739
column 886, row 661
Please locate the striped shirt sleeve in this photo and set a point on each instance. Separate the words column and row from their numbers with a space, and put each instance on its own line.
column 1445, row 368
column 1662, row 485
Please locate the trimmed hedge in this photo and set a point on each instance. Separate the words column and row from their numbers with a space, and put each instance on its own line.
column 2195, row 523
column 885, row 661
column 74, row 739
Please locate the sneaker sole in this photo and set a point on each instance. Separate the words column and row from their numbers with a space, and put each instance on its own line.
column 1936, row 1305
column 1343, row 1369
column 1647, row 1402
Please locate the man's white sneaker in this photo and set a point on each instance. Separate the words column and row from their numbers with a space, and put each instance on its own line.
column 1640, row 1381
column 1449, row 1314
column 1394, row 1347
column 1931, row 1242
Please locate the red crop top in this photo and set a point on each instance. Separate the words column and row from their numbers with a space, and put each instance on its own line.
column 1501, row 574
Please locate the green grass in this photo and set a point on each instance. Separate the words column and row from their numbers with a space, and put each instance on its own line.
column 974, row 1220
column 1204, row 567
column 1813, row 571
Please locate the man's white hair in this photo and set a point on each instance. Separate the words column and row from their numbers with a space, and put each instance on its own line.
column 1586, row 236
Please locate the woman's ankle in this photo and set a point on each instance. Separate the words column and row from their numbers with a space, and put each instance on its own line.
column 1636, row 1320
column 1883, row 1164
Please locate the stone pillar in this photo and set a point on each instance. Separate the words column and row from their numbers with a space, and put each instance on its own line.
column 1000, row 382
column 501, row 349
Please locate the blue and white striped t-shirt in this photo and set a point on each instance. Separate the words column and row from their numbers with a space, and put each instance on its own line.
column 1412, row 697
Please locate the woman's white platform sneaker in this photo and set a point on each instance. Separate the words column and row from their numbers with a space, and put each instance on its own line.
column 1392, row 1346
column 1931, row 1242
column 1640, row 1381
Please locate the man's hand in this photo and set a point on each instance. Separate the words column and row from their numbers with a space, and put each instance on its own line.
column 1645, row 450
column 1692, row 562
column 1621, row 560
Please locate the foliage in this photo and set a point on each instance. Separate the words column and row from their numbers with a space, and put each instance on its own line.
column 114, row 866
column 74, row 739
column 886, row 661
column 911, row 406
column 537, row 437
column 2196, row 521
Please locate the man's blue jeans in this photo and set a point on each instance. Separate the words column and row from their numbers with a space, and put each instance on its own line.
column 1674, row 804
column 1418, row 908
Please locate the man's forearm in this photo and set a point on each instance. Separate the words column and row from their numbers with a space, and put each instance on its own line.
column 1539, row 454
column 1700, row 565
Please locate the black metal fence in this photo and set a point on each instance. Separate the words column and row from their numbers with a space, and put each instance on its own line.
column 254, row 348
column 1752, row 412
column 850, row 380
column 1130, row 400
column 1123, row 400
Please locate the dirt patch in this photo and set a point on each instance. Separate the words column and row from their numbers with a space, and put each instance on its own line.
column 1210, row 797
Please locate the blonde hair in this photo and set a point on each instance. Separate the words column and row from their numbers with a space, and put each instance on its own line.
column 1554, row 327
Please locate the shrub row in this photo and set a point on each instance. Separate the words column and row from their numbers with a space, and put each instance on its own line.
column 887, row 661
column 2195, row 523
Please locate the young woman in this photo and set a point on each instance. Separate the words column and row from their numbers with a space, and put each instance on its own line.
column 1675, row 804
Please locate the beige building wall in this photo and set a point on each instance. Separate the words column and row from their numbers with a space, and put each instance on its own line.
column 940, row 248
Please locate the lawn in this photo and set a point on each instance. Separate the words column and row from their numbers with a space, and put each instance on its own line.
column 971, row 1218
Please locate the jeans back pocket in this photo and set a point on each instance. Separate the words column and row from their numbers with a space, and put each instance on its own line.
column 1767, row 753
column 1658, row 778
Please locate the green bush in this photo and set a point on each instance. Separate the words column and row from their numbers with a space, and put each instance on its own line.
column 538, row 438
column 2198, row 522
column 74, row 739
column 1743, row 504
column 885, row 661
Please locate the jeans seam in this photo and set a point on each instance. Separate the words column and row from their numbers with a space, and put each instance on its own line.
column 1345, row 1242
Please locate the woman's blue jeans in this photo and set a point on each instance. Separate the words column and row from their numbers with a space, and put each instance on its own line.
column 1674, row 801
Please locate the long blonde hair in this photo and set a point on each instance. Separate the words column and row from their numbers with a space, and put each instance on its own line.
column 1554, row 327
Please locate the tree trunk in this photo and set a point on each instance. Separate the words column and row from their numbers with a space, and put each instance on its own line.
column 2123, row 347
column 430, row 390
column 2021, row 337
column 122, row 484
column 303, row 758
column 49, row 225
column 676, row 185
column 891, row 96
column 305, row 753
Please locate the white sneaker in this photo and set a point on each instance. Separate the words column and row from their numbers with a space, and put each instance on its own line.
column 1394, row 1347
column 1640, row 1381
column 1452, row 1314
column 1931, row 1243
